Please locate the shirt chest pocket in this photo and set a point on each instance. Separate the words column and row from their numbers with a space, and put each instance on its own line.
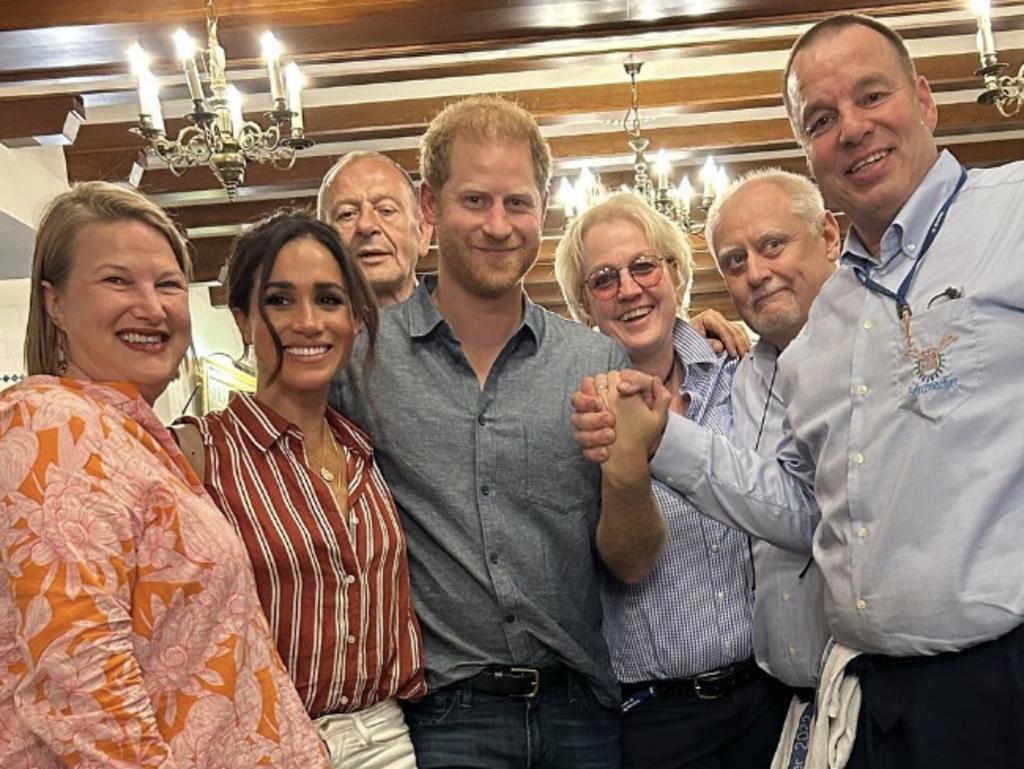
column 945, row 364
column 558, row 478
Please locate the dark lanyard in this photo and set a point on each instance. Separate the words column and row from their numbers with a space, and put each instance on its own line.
column 902, row 308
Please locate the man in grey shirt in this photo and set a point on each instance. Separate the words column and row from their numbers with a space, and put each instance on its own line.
column 467, row 404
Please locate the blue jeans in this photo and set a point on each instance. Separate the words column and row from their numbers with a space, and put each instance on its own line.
column 564, row 728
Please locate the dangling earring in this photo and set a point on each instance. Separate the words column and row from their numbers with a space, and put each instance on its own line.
column 62, row 357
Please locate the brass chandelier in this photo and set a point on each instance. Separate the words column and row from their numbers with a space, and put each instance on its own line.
column 219, row 136
column 1006, row 92
column 674, row 202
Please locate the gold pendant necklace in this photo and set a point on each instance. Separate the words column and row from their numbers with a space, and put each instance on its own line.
column 325, row 472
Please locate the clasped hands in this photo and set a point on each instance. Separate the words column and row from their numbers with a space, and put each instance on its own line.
column 619, row 418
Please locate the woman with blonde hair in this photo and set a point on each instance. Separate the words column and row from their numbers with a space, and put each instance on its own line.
column 680, row 640
column 131, row 634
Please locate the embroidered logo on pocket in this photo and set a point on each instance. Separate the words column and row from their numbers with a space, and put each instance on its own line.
column 929, row 368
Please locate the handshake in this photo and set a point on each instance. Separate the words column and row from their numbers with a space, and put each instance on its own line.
column 619, row 418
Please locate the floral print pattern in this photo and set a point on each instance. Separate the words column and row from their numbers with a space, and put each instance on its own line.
column 130, row 630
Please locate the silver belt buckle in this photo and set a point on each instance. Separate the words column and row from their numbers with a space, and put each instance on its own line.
column 712, row 677
column 535, row 681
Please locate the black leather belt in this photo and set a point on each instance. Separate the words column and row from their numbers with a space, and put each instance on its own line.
column 517, row 681
column 706, row 686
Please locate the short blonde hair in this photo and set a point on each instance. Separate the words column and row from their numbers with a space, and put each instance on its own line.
column 480, row 118
column 85, row 203
column 664, row 237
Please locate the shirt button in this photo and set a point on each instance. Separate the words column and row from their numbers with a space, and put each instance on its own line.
column 344, row 700
column 485, row 490
column 868, row 325
column 785, row 596
column 911, row 247
column 862, row 532
column 728, row 644
column 858, row 458
column 861, row 604
column 510, row 618
column 351, row 639
column 669, row 480
column 792, row 650
column 862, row 389
column 480, row 419
column 494, row 557
column 714, row 548
column 720, row 595
column 350, row 579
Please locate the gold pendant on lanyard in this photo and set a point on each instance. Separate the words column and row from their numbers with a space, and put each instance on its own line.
column 927, row 360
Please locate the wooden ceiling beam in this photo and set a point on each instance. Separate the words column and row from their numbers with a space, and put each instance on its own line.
column 748, row 136
column 41, row 119
column 409, row 117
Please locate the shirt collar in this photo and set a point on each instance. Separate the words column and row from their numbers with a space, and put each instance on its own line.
column 126, row 398
column 423, row 317
column 265, row 427
column 691, row 348
column 910, row 227
column 764, row 354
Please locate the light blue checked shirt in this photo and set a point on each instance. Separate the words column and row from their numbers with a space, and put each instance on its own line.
column 693, row 612
column 917, row 466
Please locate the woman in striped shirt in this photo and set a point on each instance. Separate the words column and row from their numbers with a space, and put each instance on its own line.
column 300, row 485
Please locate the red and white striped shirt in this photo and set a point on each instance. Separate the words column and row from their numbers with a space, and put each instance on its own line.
column 337, row 598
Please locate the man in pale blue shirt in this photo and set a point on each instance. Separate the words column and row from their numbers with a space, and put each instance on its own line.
column 901, row 393
column 775, row 245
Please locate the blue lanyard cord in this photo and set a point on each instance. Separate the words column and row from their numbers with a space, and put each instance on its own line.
column 902, row 308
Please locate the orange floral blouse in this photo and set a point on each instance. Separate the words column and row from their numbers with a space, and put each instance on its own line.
column 130, row 630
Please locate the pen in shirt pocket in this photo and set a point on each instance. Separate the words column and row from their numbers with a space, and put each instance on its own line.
column 949, row 293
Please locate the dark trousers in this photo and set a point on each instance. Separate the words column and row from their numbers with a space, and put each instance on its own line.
column 562, row 728
column 738, row 731
column 957, row 710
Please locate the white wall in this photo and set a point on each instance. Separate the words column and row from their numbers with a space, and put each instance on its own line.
column 13, row 317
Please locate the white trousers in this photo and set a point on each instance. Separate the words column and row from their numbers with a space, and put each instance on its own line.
column 373, row 738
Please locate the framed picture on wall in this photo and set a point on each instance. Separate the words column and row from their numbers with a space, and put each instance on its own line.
column 220, row 380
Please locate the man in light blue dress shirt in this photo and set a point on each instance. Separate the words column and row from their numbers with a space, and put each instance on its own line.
column 902, row 461
column 775, row 245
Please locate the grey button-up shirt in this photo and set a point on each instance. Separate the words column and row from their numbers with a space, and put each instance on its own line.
column 917, row 464
column 500, row 509
column 790, row 630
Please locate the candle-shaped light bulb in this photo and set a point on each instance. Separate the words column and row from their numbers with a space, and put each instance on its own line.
column 707, row 176
column 565, row 198
column 235, row 110
column 721, row 182
column 685, row 193
column 138, row 59
column 272, row 53
column 662, row 168
column 149, row 91
column 986, row 43
column 586, row 181
column 186, row 50
column 183, row 45
column 293, row 75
